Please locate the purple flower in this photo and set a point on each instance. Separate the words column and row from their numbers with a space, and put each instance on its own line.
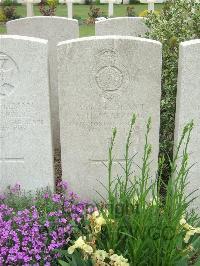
column 30, row 236
column 15, row 189
column 62, row 185
column 46, row 195
column 56, row 198
column 2, row 197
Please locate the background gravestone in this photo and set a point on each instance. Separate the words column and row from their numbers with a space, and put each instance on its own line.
column 114, row 81
column 53, row 29
column 127, row 26
column 188, row 108
column 25, row 132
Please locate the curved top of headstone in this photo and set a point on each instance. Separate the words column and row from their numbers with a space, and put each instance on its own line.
column 51, row 28
column 23, row 38
column 112, row 37
column 191, row 42
column 130, row 26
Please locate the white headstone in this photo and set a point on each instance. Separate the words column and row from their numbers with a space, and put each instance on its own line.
column 188, row 108
column 74, row 1
column 151, row 5
column 115, row 77
column 29, row 8
column 54, row 29
column 69, row 8
column 125, row 26
column 110, row 8
column 116, row 2
column 25, row 128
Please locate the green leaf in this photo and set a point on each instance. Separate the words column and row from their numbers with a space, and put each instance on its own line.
column 197, row 263
column 63, row 263
column 196, row 243
column 183, row 262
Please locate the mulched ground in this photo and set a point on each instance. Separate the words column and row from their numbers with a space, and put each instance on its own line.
column 57, row 165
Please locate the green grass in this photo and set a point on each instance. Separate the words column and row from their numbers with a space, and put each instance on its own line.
column 82, row 12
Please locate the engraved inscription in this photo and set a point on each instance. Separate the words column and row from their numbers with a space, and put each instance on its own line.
column 18, row 116
column 92, row 118
column 109, row 78
column 109, row 75
column 8, row 72
column 106, row 57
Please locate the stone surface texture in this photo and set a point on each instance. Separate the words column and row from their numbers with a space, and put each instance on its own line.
column 25, row 126
column 110, row 82
column 125, row 26
column 188, row 109
column 53, row 29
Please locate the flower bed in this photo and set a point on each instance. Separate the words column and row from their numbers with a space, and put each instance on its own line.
column 31, row 234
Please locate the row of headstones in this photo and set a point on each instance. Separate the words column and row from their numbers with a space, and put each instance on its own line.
column 101, row 81
column 57, row 29
column 69, row 3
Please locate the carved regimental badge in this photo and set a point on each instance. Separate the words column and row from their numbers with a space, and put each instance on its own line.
column 109, row 75
column 8, row 75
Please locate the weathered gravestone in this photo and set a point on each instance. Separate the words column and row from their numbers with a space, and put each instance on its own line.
column 188, row 108
column 114, row 77
column 25, row 128
column 127, row 26
column 53, row 29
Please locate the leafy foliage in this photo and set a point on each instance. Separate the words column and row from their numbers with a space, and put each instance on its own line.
column 48, row 7
column 147, row 229
column 178, row 21
column 94, row 13
column 8, row 11
column 130, row 11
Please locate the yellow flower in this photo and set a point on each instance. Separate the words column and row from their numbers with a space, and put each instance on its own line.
column 97, row 229
column 97, row 220
column 87, row 248
column 71, row 249
column 100, row 255
column 188, row 235
column 190, row 248
column 80, row 243
column 182, row 221
column 198, row 230
column 100, row 221
column 119, row 260
column 190, row 230
column 95, row 214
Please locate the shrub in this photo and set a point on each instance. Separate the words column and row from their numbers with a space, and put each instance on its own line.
column 94, row 13
column 9, row 13
column 178, row 21
column 132, row 2
column 33, row 227
column 9, row 3
column 146, row 12
column 2, row 16
column 48, row 7
column 88, row 2
column 130, row 11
